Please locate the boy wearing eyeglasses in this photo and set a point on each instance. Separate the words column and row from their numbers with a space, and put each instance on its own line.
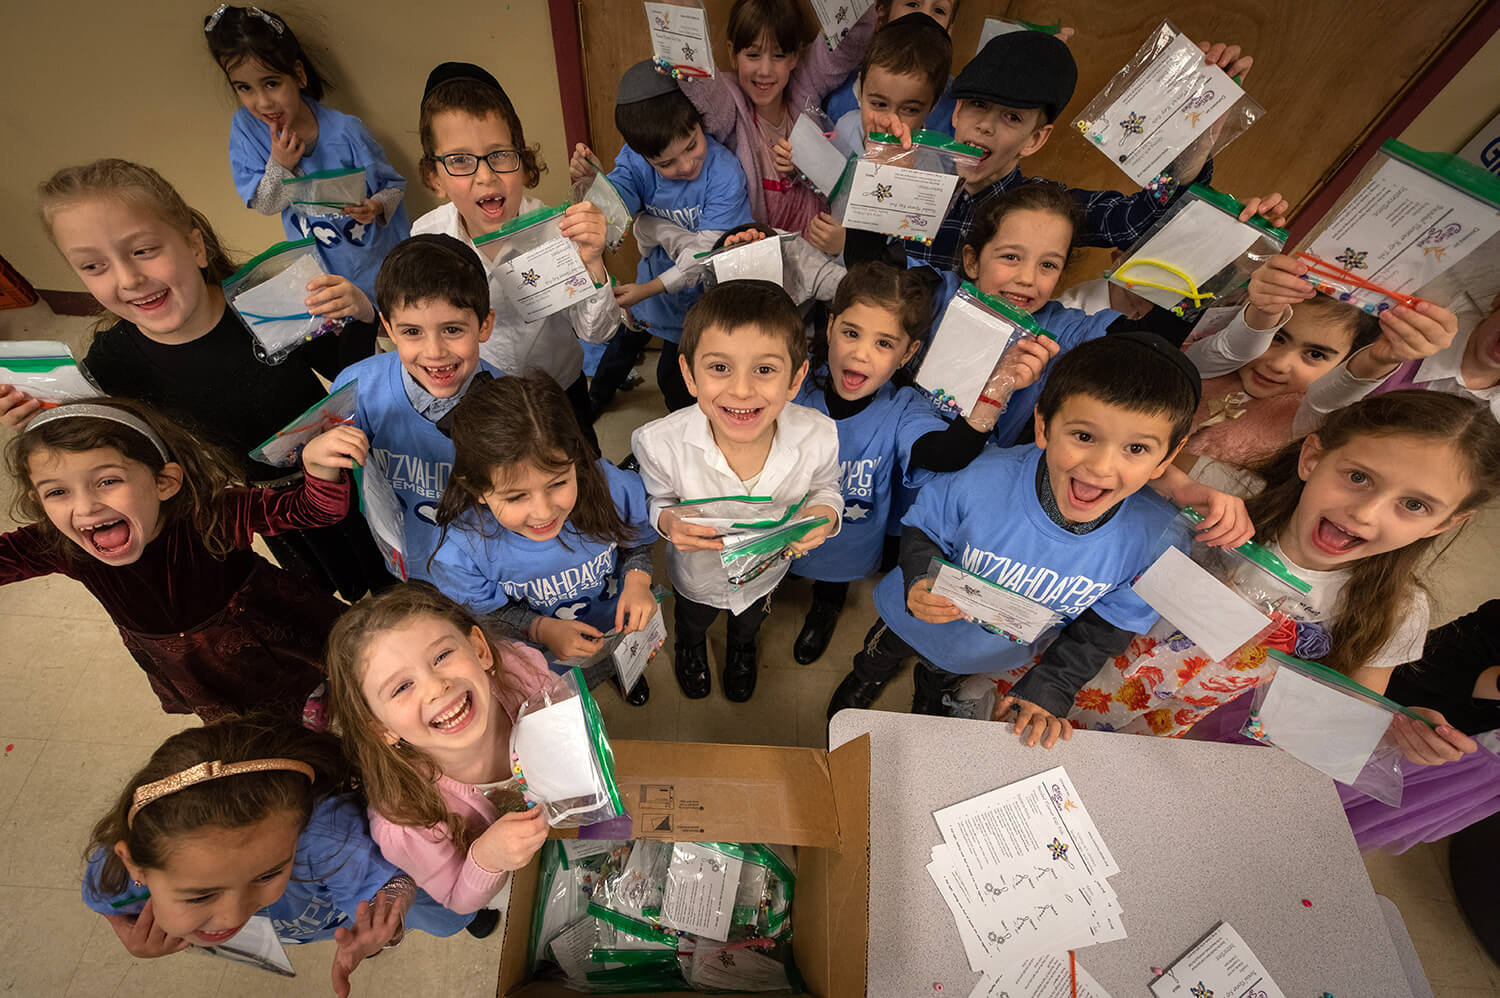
column 475, row 155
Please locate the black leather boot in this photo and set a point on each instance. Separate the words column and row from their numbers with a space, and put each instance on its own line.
column 739, row 672
column 692, row 671
column 817, row 631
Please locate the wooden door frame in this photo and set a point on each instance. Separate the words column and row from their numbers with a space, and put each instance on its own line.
column 567, row 49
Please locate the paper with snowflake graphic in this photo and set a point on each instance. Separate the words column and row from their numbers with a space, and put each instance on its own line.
column 837, row 17
column 680, row 38
column 546, row 279
column 1220, row 965
column 1401, row 230
column 898, row 201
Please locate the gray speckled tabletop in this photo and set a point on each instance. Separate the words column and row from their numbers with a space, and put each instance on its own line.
column 1202, row 833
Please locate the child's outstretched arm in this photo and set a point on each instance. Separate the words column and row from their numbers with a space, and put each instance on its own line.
column 1226, row 521
column 1082, row 647
column 378, row 924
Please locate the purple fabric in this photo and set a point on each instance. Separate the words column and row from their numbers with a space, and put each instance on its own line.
column 613, row 830
column 1404, row 376
column 1223, row 724
column 1436, row 801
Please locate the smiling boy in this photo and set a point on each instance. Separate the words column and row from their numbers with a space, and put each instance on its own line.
column 434, row 305
column 1059, row 524
column 743, row 357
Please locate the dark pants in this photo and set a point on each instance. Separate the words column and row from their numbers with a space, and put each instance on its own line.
column 833, row 593
column 578, row 398
column 674, row 390
column 880, row 660
column 614, row 368
column 694, row 619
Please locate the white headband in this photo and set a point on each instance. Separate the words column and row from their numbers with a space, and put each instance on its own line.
column 101, row 412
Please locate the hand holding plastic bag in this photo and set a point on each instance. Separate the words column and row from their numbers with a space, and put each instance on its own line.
column 270, row 296
column 561, row 752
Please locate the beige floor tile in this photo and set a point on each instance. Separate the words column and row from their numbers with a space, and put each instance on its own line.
column 657, row 719
column 107, row 969
column 17, row 757
column 459, row 966
column 42, row 939
column 769, row 718
column 1451, row 991
column 41, row 668
column 114, row 702
column 1412, row 874
column 1449, row 952
column 53, row 596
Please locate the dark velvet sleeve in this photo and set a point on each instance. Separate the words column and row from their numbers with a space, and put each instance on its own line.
column 312, row 503
column 26, row 554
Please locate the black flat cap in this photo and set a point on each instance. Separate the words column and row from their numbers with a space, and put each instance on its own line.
column 1021, row 69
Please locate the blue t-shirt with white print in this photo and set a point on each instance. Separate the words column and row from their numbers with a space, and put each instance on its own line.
column 485, row 566
column 337, row 866
column 418, row 457
column 988, row 520
column 874, row 454
column 1069, row 326
column 716, row 199
column 939, row 119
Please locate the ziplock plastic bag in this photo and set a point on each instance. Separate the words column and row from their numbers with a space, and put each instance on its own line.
column 601, row 193
column 1164, row 103
column 994, row 27
column 1333, row 724
column 748, row 557
column 760, row 260
column 382, row 510
column 968, row 354
column 1253, row 571
column 539, row 269
column 906, row 192
column 1409, row 217
column 560, row 751
column 283, row 448
column 1197, row 251
column 836, row 17
column 702, row 882
column 327, row 191
column 681, row 41
column 735, row 515
column 269, row 294
column 560, row 898
column 820, row 162
column 45, row 370
column 630, row 900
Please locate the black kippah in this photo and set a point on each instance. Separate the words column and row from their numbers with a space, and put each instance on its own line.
column 1157, row 344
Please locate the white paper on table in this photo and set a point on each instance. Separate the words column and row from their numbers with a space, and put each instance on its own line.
column 1200, row 240
column 994, row 27
column 701, row 886
column 1219, row 964
column 679, row 35
column 1051, row 922
column 756, row 261
column 816, row 156
column 986, row 603
column 1332, row 731
column 257, row 945
column 545, row 280
column 965, row 348
column 554, row 752
column 382, row 509
column 895, row 200
column 1177, row 98
column 954, row 891
column 1047, row 976
column 636, row 649
column 838, row 16
column 1404, row 228
column 721, row 967
column 573, row 948
column 1214, row 616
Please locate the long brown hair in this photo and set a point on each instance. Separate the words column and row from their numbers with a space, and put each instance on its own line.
column 1381, row 586
column 511, row 421
column 399, row 781
column 227, row 802
column 207, row 469
column 138, row 185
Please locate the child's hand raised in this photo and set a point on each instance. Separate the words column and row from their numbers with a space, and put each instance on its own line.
column 1430, row 746
column 584, row 224
column 1405, row 334
column 1020, row 368
column 1228, row 58
column 16, row 408
column 1043, row 726
column 375, row 924
column 511, row 841
column 335, row 297
column 580, row 166
column 933, row 609
column 825, row 234
column 817, row 535
column 327, row 454
column 637, row 604
column 286, row 148
column 686, row 535
column 364, row 213
column 567, row 638
column 141, row 936
column 781, row 154
column 1272, row 207
column 627, row 295
column 743, row 237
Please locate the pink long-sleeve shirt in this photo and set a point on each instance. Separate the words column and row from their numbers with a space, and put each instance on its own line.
column 730, row 117
column 452, row 877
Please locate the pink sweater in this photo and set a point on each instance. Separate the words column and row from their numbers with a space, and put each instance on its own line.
column 427, row 854
column 730, row 117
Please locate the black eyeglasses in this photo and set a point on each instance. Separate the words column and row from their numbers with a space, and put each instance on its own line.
column 466, row 164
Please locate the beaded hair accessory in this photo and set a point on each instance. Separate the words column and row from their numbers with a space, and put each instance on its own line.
column 110, row 413
column 205, row 771
column 212, row 21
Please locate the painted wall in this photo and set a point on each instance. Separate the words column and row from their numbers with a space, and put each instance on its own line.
column 1461, row 108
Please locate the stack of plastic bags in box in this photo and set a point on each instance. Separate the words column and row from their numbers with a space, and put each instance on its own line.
column 661, row 916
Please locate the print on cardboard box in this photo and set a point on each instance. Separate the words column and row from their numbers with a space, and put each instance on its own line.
column 1408, row 218
column 904, row 192
column 837, row 17
column 680, row 40
column 969, row 349
column 269, row 294
column 540, row 269
column 1162, row 103
column 45, row 370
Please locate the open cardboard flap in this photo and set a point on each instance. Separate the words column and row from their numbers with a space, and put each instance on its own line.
column 694, row 792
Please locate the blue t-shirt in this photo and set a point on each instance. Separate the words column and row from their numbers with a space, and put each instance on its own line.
column 939, row 119
column 346, row 247
column 337, row 866
column 418, row 456
column 987, row 520
column 716, row 199
column 874, row 455
column 485, row 566
column 1070, row 326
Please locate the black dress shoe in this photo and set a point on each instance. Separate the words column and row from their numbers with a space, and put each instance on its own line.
column 639, row 693
column 854, row 692
column 483, row 923
column 692, row 671
column 817, row 631
column 739, row 672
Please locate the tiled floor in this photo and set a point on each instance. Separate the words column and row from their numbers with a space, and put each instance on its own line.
column 77, row 717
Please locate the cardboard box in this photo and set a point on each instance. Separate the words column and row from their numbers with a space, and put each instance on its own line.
column 691, row 792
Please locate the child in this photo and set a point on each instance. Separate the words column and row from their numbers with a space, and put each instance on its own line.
column 156, row 265
column 281, row 131
column 887, row 434
column 475, row 155
column 671, row 170
column 435, row 306
column 425, row 702
column 1352, row 510
column 1072, row 536
column 743, row 356
column 140, row 511
column 753, row 108
column 539, row 534
column 1008, row 97
column 249, row 818
column 855, row 92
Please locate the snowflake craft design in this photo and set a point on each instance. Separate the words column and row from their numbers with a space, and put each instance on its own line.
column 1135, row 124
column 1351, row 259
column 1202, row 991
column 841, row 15
column 687, row 52
column 883, row 191
column 530, row 278
column 1058, row 849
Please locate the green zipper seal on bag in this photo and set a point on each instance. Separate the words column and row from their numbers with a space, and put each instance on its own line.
column 1259, row 555
column 1317, row 670
column 595, row 725
column 326, row 174
column 544, row 889
column 525, row 221
column 1451, row 170
column 772, row 542
column 261, row 258
column 1006, row 311
column 753, row 524
column 633, row 926
column 634, row 957
column 305, row 414
column 35, row 365
column 930, row 140
column 699, row 502
column 1233, row 206
column 1047, row 29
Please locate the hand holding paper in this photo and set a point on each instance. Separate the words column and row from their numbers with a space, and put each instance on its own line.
column 637, row 604
column 1430, row 746
column 567, row 638
column 926, row 605
column 584, row 225
column 335, row 297
column 817, row 535
column 686, row 535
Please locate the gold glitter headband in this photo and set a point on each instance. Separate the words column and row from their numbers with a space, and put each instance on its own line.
column 205, row 771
